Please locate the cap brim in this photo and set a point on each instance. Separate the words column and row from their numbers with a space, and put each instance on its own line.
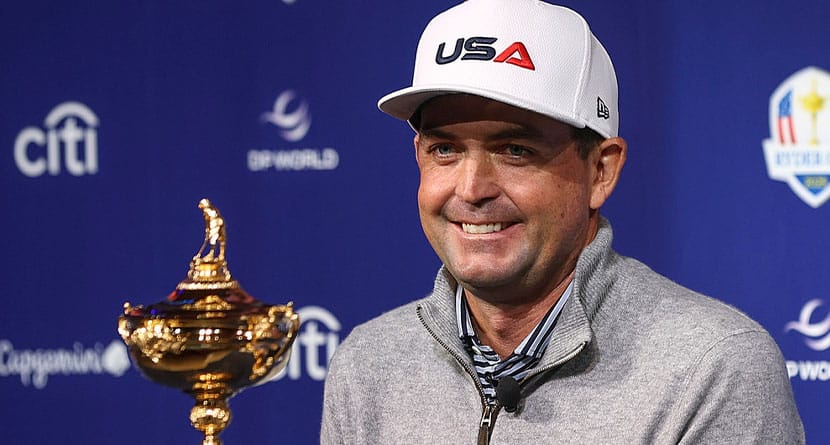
column 403, row 103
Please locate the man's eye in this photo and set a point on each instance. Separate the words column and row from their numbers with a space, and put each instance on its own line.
column 516, row 150
column 442, row 150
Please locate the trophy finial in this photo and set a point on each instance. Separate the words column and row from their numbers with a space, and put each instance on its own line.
column 215, row 235
column 208, row 268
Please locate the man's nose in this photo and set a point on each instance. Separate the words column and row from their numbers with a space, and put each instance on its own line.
column 476, row 180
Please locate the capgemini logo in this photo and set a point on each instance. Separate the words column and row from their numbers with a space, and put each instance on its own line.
column 38, row 150
column 294, row 124
column 34, row 366
column 115, row 359
column 818, row 332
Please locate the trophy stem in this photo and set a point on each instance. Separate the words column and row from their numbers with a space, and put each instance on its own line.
column 210, row 416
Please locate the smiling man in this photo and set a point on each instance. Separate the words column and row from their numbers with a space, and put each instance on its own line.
column 508, row 203
column 536, row 331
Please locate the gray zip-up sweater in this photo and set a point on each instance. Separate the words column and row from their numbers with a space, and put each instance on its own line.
column 634, row 359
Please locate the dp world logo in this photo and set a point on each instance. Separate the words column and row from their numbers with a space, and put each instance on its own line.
column 816, row 331
column 68, row 140
column 798, row 150
column 290, row 115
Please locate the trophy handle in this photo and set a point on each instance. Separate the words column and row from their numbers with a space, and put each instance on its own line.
column 271, row 359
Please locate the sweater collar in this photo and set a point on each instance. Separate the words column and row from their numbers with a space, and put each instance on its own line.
column 572, row 330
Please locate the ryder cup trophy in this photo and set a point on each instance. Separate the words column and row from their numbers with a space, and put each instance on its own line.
column 209, row 338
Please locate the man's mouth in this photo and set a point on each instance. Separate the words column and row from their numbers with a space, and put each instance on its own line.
column 483, row 228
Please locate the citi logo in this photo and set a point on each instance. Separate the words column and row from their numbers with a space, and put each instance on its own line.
column 69, row 139
column 290, row 115
column 478, row 48
column 319, row 336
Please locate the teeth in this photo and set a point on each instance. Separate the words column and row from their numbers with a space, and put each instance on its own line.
column 482, row 228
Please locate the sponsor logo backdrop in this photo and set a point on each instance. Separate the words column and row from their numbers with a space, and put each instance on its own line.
column 116, row 118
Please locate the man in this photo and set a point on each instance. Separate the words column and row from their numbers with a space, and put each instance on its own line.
column 536, row 330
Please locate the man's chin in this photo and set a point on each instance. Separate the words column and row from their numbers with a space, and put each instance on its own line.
column 483, row 279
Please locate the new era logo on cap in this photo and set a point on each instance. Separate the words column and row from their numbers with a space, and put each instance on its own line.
column 602, row 109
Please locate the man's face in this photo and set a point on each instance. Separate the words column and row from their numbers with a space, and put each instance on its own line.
column 504, row 197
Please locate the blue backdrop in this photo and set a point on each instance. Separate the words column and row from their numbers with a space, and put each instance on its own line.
column 117, row 117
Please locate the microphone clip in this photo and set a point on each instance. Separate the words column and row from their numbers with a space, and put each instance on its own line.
column 508, row 393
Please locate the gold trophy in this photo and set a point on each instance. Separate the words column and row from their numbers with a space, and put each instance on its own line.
column 209, row 338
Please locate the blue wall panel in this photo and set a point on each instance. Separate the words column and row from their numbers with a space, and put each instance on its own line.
column 184, row 99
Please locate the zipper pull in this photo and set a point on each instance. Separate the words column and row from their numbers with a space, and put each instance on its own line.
column 488, row 417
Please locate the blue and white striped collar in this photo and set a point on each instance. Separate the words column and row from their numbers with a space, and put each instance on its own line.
column 534, row 344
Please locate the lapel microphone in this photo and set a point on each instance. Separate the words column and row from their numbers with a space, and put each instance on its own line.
column 508, row 393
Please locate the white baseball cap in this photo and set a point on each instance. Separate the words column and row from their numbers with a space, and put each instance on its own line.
column 524, row 53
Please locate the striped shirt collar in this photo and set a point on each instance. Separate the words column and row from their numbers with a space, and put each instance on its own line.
column 490, row 368
column 534, row 344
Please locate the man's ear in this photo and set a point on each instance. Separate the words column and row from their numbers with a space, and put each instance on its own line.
column 415, row 143
column 607, row 161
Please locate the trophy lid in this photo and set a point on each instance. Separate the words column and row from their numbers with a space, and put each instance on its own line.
column 209, row 290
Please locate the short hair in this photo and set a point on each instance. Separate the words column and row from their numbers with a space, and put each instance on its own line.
column 586, row 140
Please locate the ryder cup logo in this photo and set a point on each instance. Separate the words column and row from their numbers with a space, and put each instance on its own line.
column 68, row 140
column 798, row 150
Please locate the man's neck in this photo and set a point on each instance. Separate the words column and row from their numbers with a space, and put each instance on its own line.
column 503, row 327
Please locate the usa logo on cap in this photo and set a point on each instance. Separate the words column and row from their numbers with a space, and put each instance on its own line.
column 798, row 150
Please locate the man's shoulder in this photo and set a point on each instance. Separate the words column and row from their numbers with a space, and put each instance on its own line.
column 707, row 360
column 675, row 303
column 668, row 312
